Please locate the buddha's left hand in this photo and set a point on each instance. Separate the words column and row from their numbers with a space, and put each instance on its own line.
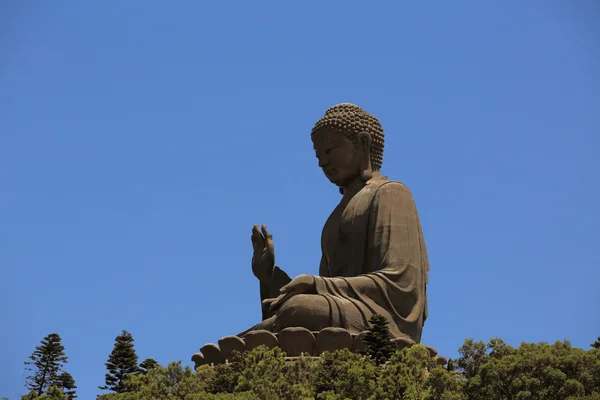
column 299, row 285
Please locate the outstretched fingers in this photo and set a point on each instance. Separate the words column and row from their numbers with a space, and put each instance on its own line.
column 268, row 240
column 257, row 239
column 266, row 233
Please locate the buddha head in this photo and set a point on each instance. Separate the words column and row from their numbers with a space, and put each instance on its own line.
column 348, row 143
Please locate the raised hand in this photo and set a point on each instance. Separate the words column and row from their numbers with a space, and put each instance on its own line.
column 263, row 259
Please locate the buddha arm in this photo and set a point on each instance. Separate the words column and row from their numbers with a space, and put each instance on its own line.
column 271, row 290
column 323, row 267
column 279, row 278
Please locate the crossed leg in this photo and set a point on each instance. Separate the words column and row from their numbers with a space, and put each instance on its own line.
column 313, row 312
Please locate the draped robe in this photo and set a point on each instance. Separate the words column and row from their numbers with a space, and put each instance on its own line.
column 374, row 261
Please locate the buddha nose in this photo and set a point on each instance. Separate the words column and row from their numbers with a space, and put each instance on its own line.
column 322, row 161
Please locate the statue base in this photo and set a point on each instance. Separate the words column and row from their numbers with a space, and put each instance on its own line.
column 295, row 342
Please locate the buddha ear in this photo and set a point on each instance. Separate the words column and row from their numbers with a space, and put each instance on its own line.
column 364, row 143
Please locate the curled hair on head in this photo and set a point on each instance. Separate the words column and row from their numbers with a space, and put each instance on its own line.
column 351, row 120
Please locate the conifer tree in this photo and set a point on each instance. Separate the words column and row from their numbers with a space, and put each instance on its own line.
column 450, row 366
column 46, row 364
column 53, row 393
column 122, row 361
column 596, row 344
column 378, row 339
column 67, row 383
column 148, row 364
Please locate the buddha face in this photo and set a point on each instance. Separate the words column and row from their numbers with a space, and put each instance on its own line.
column 339, row 157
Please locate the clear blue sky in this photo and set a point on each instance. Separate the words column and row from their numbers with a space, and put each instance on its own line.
column 140, row 141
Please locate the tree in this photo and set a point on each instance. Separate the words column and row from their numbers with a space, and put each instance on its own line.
column 171, row 382
column 148, row 364
column 404, row 376
column 53, row 393
column 46, row 364
column 256, row 374
column 68, row 385
column 539, row 371
column 496, row 371
column 472, row 356
column 121, row 363
column 265, row 374
column 443, row 384
column 450, row 366
column 343, row 374
column 596, row 344
column 378, row 339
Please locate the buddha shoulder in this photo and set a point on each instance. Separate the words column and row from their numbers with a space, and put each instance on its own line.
column 392, row 191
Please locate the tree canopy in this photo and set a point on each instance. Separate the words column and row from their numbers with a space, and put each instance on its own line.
column 378, row 339
column 533, row 371
column 122, row 362
column 45, row 366
column 484, row 371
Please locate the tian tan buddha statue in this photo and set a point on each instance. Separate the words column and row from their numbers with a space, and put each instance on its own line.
column 373, row 260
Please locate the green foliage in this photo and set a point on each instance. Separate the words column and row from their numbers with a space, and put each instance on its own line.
column 46, row 365
column 472, row 356
column 451, row 365
column 378, row 339
column 171, row 382
column 53, row 393
column 67, row 383
column 533, row 371
column 261, row 372
column 264, row 374
column 148, row 364
column 492, row 371
column 442, row 384
column 404, row 376
column 595, row 396
column 121, row 363
column 596, row 344
column 344, row 374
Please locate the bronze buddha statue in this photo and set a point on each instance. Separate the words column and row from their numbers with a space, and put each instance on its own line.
column 374, row 259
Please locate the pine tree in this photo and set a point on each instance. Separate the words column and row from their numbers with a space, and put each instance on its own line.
column 53, row 393
column 148, row 364
column 378, row 339
column 47, row 362
column 68, row 385
column 450, row 366
column 596, row 344
column 122, row 362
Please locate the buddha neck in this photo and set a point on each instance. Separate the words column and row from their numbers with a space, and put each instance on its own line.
column 356, row 185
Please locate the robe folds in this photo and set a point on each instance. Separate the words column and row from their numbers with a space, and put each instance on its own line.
column 377, row 263
column 374, row 261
